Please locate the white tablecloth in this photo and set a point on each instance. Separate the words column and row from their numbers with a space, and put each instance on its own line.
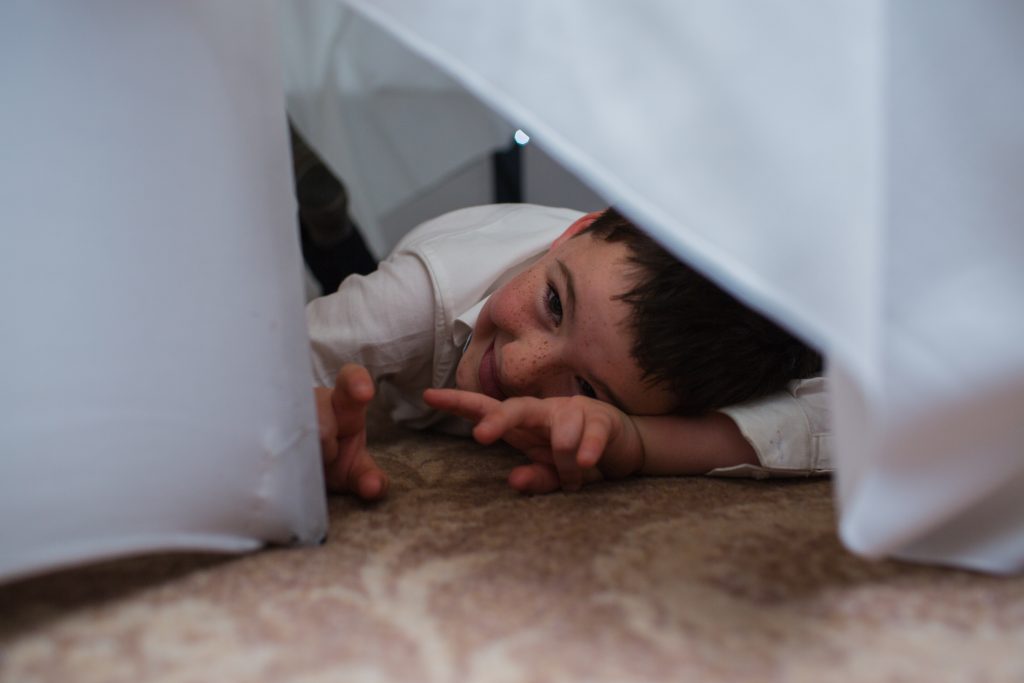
column 389, row 124
column 156, row 388
column 854, row 168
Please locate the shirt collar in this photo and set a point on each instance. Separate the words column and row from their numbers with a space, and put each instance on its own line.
column 462, row 330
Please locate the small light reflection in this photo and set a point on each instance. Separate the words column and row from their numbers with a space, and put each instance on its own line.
column 521, row 137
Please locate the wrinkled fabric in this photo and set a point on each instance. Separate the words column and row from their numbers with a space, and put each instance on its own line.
column 851, row 168
column 155, row 391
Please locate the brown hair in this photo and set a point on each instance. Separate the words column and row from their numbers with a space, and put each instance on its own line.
column 692, row 337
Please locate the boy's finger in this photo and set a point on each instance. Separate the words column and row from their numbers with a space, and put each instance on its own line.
column 505, row 417
column 464, row 404
column 566, row 430
column 328, row 451
column 328, row 425
column 522, row 412
column 366, row 479
column 353, row 391
column 323, row 397
column 353, row 385
column 534, row 478
column 358, row 473
column 593, row 441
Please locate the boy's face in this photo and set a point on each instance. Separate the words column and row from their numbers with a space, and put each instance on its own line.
column 557, row 329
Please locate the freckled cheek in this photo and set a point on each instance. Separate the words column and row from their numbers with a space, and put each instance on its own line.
column 512, row 306
column 527, row 367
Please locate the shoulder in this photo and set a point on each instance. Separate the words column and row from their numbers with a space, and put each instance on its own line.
column 482, row 224
column 467, row 251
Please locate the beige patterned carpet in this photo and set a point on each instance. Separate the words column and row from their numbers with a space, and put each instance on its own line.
column 457, row 578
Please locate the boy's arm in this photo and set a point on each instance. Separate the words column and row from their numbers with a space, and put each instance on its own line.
column 790, row 431
column 383, row 321
column 676, row 445
column 570, row 439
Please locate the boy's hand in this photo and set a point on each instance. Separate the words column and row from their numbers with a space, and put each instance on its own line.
column 348, row 466
column 570, row 440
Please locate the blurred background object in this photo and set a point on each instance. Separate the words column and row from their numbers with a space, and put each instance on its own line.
column 332, row 245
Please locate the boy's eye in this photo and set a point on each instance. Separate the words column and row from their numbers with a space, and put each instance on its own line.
column 554, row 305
column 585, row 388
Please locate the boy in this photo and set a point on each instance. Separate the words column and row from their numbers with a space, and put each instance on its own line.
column 596, row 354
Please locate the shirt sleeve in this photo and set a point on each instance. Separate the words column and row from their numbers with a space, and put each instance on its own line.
column 383, row 321
column 790, row 432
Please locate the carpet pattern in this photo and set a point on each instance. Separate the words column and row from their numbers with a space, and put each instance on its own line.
column 457, row 578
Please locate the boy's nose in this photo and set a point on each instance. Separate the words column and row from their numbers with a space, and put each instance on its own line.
column 533, row 369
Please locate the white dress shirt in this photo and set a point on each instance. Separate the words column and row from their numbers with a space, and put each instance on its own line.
column 408, row 322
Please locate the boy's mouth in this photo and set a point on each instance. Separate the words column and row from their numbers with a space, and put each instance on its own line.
column 488, row 375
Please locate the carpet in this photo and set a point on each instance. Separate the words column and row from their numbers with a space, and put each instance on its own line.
column 455, row 577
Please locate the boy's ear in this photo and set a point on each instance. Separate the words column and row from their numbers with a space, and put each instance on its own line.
column 580, row 224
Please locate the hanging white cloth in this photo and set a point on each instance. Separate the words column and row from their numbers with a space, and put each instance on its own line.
column 156, row 390
column 853, row 168
column 389, row 124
